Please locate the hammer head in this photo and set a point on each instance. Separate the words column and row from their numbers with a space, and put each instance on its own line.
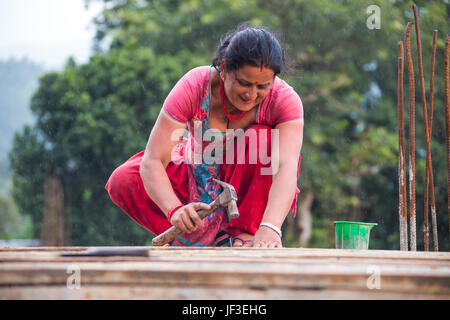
column 228, row 198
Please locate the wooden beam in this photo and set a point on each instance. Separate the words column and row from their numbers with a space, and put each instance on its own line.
column 227, row 273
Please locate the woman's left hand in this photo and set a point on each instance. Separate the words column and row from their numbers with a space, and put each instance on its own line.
column 265, row 238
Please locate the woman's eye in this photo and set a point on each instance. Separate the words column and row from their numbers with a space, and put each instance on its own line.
column 244, row 84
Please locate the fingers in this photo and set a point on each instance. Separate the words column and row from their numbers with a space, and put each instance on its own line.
column 267, row 238
column 187, row 223
column 264, row 244
column 259, row 244
column 194, row 217
column 201, row 206
column 181, row 220
column 187, row 219
column 275, row 245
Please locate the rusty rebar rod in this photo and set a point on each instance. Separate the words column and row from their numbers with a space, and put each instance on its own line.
column 447, row 118
column 429, row 167
column 403, row 223
column 412, row 145
column 430, row 127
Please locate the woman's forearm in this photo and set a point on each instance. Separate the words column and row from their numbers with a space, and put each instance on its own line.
column 157, row 184
column 281, row 195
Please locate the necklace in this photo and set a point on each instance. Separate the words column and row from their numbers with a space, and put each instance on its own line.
column 229, row 116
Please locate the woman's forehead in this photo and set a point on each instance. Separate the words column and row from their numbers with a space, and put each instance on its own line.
column 253, row 74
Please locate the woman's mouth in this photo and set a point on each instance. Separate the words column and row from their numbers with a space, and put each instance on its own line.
column 246, row 101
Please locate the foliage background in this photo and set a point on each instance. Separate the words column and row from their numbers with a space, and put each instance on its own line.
column 90, row 118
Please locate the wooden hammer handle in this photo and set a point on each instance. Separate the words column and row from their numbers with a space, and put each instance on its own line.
column 174, row 232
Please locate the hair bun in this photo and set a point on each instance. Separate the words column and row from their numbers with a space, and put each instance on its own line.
column 254, row 46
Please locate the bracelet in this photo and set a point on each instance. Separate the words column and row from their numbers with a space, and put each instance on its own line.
column 271, row 226
column 171, row 211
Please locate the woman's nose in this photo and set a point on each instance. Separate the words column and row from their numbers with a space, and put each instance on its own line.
column 252, row 93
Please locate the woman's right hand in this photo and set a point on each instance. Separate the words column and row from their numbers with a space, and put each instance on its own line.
column 186, row 218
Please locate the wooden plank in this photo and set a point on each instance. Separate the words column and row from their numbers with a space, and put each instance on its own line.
column 135, row 292
column 203, row 283
column 203, row 273
column 242, row 258
column 260, row 253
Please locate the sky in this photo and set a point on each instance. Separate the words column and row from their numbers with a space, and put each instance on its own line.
column 47, row 31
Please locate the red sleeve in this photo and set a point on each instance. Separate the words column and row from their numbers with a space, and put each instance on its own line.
column 282, row 104
column 288, row 105
column 184, row 98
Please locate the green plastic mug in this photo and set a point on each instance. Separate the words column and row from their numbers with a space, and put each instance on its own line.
column 352, row 235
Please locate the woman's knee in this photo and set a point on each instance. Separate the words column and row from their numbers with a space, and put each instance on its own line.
column 121, row 180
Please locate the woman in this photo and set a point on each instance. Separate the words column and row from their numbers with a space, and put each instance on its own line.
column 172, row 179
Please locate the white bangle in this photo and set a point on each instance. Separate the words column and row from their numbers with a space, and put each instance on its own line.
column 271, row 226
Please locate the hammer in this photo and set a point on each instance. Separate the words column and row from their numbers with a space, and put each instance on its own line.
column 227, row 198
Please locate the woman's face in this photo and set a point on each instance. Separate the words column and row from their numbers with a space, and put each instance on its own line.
column 248, row 86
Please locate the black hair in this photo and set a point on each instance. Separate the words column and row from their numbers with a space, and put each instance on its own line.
column 254, row 46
